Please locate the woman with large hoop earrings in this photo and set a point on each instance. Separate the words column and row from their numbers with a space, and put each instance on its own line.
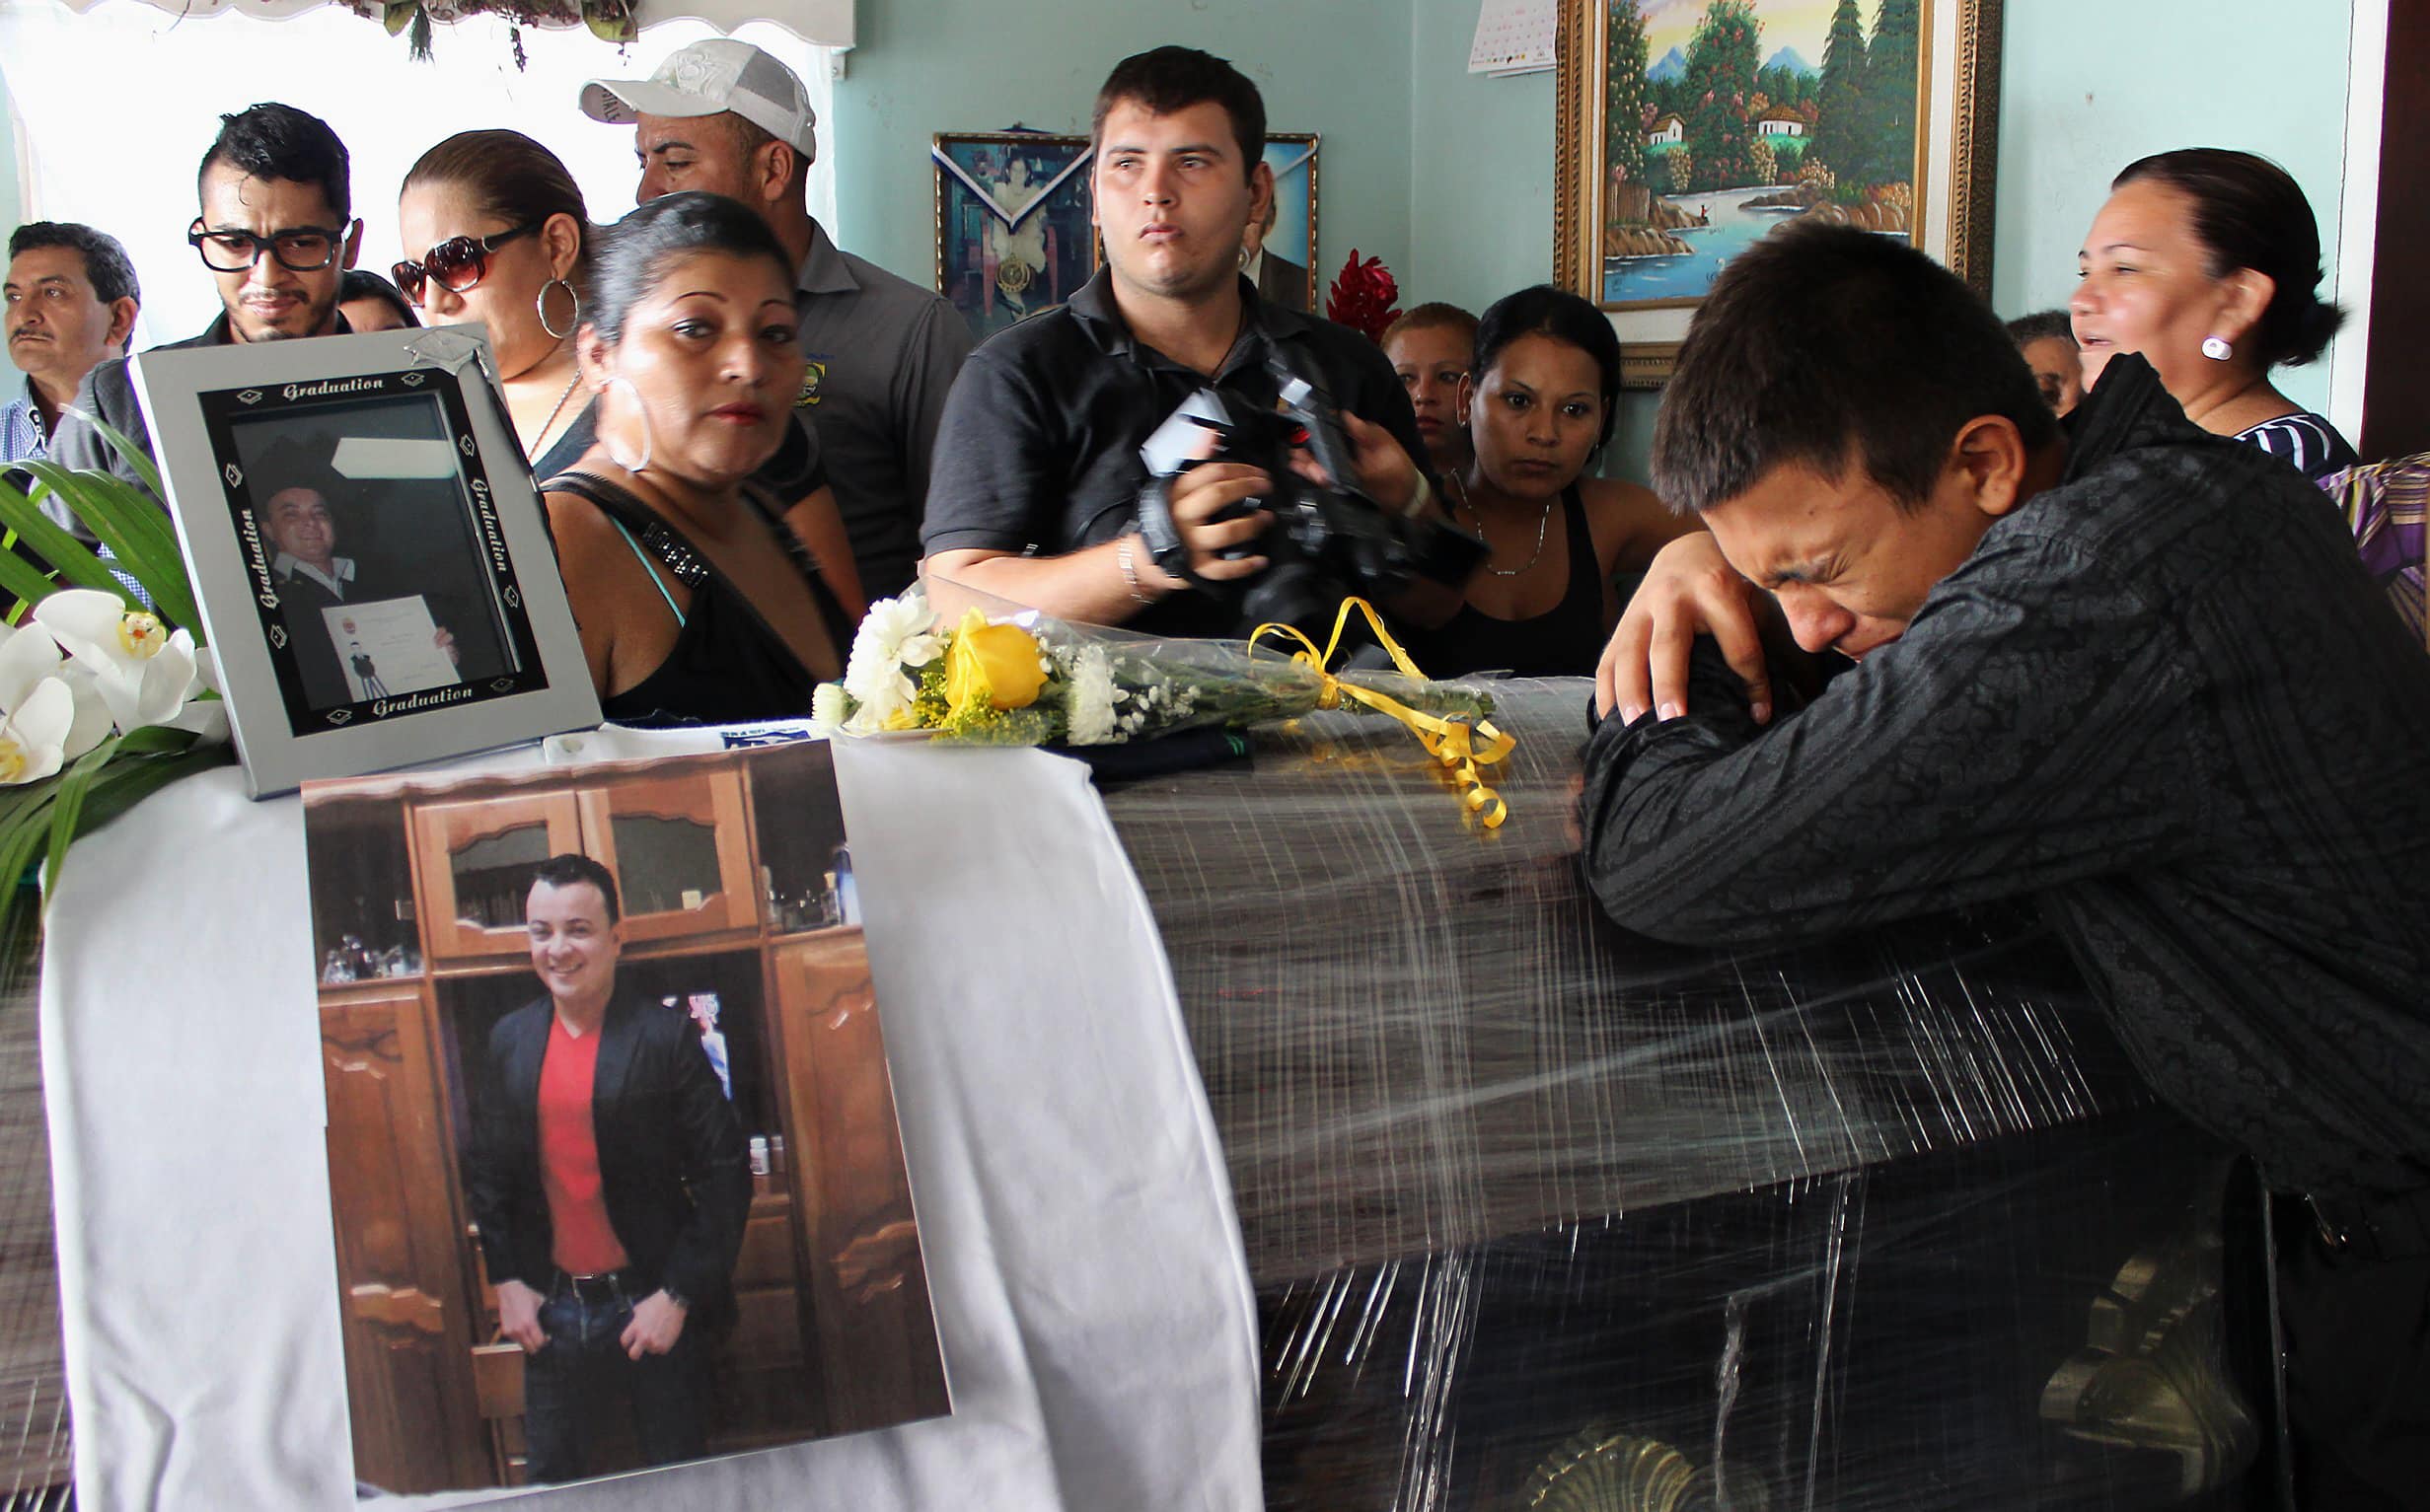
column 695, row 602
column 496, row 234
column 506, row 223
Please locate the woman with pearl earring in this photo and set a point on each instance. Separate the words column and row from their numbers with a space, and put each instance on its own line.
column 695, row 602
column 2206, row 261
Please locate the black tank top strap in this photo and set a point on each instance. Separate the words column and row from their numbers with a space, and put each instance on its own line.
column 1585, row 568
column 661, row 540
column 728, row 664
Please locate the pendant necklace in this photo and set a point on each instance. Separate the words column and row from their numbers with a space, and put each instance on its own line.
column 1459, row 495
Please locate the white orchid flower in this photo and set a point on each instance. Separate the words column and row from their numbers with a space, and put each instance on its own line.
column 143, row 672
column 34, row 735
column 28, row 656
column 93, row 717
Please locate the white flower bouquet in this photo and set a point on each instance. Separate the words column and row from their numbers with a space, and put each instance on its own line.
column 1025, row 679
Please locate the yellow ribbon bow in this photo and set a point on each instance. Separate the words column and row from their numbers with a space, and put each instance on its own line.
column 1452, row 742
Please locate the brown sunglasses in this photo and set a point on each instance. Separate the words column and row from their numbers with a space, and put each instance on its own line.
column 455, row 264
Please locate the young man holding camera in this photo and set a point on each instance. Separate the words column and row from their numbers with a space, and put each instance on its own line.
column 1037, row 478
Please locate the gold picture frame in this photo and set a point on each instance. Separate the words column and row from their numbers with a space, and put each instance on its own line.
column 1620, row 238
column 1290, row 273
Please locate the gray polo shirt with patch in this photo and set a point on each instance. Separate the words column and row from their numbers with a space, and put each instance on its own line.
column 882, row 353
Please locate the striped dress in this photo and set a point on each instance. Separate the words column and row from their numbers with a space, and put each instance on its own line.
column 2384, row 505
column 2305, row 440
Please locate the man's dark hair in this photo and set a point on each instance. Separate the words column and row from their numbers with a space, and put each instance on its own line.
column 1164, row 80
column 631, row 255
column 2248, row 212
column 362, row 283
column 106, row 266
column 2042, row 326
column 1826, row 346
column 1545, row 311
column 571, row 868
column 279, row 141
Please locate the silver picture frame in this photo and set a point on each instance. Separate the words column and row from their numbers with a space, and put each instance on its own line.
column 441, row 560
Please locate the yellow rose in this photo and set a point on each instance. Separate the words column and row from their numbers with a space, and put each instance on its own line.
column 992, row 664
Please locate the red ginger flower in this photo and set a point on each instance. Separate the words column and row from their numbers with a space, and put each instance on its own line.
column 1362, row 297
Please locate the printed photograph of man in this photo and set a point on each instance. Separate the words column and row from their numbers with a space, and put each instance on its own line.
column 653, row 1208
column 610, row 1179
column 311, row 575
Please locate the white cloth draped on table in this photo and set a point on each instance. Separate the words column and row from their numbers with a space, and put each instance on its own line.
column 1085, row 1265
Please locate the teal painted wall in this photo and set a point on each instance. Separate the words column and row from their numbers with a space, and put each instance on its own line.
column 2081, row 98
column 925, row 66
column 1479, row 170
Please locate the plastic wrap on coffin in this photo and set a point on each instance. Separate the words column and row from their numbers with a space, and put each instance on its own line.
column 1542, row 1212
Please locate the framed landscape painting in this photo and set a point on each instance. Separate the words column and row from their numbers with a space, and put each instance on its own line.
column 1690, row 128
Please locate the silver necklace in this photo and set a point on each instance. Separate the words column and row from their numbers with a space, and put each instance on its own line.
column 543, row 433
column 1459, row 493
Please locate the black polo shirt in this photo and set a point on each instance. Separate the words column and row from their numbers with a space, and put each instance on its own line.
column 1039, row 449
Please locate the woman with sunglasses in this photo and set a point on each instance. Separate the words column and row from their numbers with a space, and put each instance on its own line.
column 1538, row 402
column 697, row 603
column 507, row 240
column 508, row 244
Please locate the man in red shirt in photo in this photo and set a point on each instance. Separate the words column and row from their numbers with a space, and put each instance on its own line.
column 610, row 1184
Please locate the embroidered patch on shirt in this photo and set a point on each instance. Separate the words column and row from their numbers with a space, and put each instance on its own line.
column 812, row 374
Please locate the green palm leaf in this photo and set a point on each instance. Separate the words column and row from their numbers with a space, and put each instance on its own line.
column 50, row 542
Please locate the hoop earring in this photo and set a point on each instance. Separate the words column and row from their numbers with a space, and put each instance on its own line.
column 2217, row 348
column 640, row 411
column 539, row 302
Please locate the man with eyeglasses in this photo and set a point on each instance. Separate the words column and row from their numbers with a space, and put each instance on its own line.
column 278, row 233
column 880, row 352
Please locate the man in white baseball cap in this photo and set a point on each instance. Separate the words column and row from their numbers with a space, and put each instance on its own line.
column 723, row 117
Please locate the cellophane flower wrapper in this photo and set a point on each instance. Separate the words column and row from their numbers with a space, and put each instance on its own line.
column 912, row 671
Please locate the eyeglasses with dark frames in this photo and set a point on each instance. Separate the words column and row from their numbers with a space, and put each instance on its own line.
column 298, row 248
column 456, row 265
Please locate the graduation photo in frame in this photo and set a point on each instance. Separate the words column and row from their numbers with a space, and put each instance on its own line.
column 1013, row 235
column 1286, row 272
column 368, row 552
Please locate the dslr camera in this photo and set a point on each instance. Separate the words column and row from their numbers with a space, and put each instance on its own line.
column 1325, row 542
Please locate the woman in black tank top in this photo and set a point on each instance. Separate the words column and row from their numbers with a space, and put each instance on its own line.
column 696, row 605
column 1539, row 403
